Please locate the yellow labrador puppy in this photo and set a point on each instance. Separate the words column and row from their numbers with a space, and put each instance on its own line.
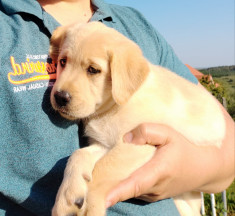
column 103, row 78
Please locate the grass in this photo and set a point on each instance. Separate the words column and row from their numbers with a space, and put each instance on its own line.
column 219, row 204
column 228, row 83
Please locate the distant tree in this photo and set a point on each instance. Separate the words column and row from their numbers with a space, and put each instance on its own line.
column 231, row 104
column 216, row 89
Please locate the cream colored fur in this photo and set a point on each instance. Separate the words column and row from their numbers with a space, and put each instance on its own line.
column 126, row 92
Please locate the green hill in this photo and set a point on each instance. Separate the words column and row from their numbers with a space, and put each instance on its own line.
column 219, row 71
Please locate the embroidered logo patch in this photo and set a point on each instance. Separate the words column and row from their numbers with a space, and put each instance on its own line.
column 26, row 75
column 39, row 70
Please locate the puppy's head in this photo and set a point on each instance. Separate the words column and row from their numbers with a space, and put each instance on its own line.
column 97, row 67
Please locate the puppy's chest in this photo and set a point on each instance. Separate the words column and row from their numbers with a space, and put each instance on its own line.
column 103, row 131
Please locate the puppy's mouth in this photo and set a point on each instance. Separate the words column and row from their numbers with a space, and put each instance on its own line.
column 71, row 113
column 66, row 114
column 60, row 101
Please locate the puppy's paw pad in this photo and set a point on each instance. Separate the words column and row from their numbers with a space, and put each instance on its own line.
column 79, row 202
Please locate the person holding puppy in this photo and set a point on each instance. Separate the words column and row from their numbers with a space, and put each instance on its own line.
column 36, row 142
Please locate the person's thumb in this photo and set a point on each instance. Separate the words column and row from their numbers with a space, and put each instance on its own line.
column 138, row 183
column 149, row 133
column 125, row 190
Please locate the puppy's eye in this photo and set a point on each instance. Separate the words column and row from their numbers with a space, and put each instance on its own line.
column 92, row 70
column 63, row 62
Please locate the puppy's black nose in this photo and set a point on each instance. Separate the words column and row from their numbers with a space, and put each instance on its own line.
column 62, row 98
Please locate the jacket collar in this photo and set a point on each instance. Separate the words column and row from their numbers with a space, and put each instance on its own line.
column 103, row 11
column 22, row 6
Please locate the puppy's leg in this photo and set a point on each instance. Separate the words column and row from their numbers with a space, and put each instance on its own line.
column 188, row 203
column 71, row 196
column 115, row 166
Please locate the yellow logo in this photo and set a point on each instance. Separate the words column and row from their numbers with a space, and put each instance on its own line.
column 40, row 71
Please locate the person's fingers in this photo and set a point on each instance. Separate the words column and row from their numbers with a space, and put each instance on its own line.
column 149, row 133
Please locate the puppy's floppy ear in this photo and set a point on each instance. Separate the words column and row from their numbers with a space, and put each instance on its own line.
column 56, row 41
column 129, row 69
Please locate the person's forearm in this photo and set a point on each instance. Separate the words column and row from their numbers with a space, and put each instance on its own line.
column 224, row 166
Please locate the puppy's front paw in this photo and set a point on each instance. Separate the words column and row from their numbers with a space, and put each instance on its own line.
column 71, row 197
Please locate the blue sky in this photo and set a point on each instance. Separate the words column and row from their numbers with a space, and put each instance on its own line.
column 200, row 31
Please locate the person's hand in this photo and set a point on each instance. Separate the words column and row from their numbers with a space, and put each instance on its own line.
column 176, row 167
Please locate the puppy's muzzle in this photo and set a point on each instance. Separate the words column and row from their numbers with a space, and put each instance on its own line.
column 62, row 98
